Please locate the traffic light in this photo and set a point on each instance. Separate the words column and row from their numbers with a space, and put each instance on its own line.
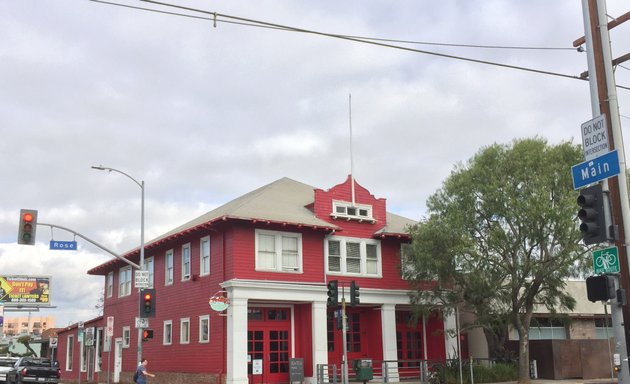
column 147, row 334
column 592, row 215
column 333, row 293
column 354, row 294
column 600, row 288
column 147, row 302
column 28, row 224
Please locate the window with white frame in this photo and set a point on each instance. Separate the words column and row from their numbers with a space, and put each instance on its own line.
column 204, row 329
column 353, row 256
column 278, row 251
column 126, row 337
column 184, row 330
column 349, row 211
column 204, row 256
column 168, row 262
column 99, row 350
column 186, row 261
column 82, row 355
column 110, row 284
column 149, row 265
column 407, row 268
column 124, row 281
column 167, row 338
column 69, row 357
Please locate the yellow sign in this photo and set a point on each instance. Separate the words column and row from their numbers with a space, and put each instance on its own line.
column 25, row 289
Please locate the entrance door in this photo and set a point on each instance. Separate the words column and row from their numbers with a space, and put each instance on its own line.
column 117, row 359
column 268, row 339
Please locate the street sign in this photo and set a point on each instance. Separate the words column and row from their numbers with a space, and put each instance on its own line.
column 142, row 279
column 142, row 322
column 56, row 245
column 594, row 170
column 606, row 260
column 52, row 342
column 109, row 331
column 595, row 137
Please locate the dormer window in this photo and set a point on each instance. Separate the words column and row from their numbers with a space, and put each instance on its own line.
column 349, row 211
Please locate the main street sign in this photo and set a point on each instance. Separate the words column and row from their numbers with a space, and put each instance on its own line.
column 595, row 170
column 595, row 138
column 606, row 260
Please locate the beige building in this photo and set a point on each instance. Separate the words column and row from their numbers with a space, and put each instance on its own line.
column 35, row 325
column 587, row 321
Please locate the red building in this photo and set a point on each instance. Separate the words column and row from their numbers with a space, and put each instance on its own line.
column 271, row 252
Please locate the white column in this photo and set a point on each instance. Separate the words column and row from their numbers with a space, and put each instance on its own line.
column 320, row 338
column 237, row 342
column 450, row 339
column 390, row 351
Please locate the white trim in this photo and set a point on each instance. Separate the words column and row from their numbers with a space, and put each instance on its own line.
column 126, row 271
column 164, row 334
column 186, row 276
column 126, row 340
column 363, row 262
column 168, row 280
column 201, row 241
column 150, row 261
column 69, row 353
column 182, row 321
column 278, row 265
column 340, row 210
column 201, row 319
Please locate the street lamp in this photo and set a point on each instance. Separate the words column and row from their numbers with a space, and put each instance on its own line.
column 141, row 185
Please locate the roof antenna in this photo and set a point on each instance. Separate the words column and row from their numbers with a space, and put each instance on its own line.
column 351, row 155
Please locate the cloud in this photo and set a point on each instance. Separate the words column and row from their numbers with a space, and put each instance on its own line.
column 204, row 114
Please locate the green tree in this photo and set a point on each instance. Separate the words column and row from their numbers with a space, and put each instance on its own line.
column 501, row 237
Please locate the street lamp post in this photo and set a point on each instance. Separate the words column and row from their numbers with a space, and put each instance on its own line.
column 141, row 185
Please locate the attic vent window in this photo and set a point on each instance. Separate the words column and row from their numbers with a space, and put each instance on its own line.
column 348, row 211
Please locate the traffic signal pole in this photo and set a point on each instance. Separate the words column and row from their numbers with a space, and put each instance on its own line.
column 604, row 101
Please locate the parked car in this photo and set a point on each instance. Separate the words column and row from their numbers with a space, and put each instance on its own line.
column 6, row 363
column 33, row 370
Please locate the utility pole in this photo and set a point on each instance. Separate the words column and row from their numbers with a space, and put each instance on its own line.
column 604, row 101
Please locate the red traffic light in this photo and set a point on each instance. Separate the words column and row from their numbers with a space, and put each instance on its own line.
column 147, row 296
column 26, row 230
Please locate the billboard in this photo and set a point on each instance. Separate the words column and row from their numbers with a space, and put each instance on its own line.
column 18, row 290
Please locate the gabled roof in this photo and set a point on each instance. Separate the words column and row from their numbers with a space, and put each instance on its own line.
column 284, row 201
column 396, row 226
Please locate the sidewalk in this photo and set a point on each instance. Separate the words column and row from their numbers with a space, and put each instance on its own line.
column 568, row 381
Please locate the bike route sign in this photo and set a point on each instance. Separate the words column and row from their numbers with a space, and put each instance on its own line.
column 606, row 260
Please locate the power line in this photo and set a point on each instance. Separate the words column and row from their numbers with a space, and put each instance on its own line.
column 213, row 16
column 257, row 24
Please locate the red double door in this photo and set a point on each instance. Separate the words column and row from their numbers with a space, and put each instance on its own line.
column 268, row 345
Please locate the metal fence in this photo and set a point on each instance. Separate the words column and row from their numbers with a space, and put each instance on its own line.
column 405, row 371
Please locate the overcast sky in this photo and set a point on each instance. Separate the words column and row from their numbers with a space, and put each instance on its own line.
column 205, row 113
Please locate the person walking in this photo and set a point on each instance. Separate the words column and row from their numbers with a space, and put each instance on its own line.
column 142, row 372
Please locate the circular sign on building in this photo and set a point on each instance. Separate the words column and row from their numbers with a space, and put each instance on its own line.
column 218, row 302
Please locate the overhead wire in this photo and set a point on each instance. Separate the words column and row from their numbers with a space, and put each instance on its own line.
column 372, row 41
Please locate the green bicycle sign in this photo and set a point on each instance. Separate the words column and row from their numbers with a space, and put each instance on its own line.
column 606, row 260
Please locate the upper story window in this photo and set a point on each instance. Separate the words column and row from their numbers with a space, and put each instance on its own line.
column 407, row 268
column 110, row 284
column 124, row 281
column 149, row 265
column 278, row 251
column 349, row 211
column 168, row 262
column 204, row 256
column 186, row 261
column 347, row 255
